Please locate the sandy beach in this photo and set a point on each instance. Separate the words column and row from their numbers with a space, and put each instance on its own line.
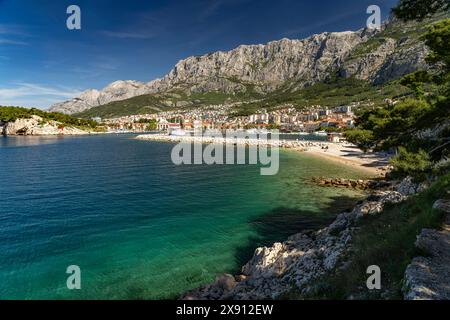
column 348, row 154
column 345, row 153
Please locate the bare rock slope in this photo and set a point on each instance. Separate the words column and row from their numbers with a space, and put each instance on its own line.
column 118, row 90
column 375, row 56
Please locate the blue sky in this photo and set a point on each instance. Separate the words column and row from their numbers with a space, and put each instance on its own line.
column 42, row 62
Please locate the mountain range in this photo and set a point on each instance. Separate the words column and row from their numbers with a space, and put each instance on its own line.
column 373, row 56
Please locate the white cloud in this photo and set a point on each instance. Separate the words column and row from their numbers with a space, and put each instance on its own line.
column 35, row 95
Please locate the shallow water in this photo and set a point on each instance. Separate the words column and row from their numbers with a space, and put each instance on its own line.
column 138, row 226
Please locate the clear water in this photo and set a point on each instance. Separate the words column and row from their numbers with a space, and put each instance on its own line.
column 138, row 226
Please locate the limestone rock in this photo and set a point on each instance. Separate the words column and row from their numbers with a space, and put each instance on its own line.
column 21, row 126
column 291, row 64
column 443, row 205
column 118, row 90
column 298, row 262
column 36, row 126
column 428, row 278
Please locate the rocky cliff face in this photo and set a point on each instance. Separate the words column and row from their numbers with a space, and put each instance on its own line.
column 293, row 64
column 389, row 54
column 118, row 90
column 265, row 66
column 36, row 126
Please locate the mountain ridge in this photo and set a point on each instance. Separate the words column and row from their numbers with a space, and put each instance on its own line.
column 374, row 56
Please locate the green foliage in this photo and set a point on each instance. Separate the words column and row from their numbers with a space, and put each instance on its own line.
column 364, row 139
column 340, row 91
column 154, row 103
column 410, row 163
column 368, row 47
column 152, row 125
column 144, row 104
column 419, row 9
column 10, row 114
column 415, row 82
column 396, row 127
column 438, row 40
column 389, row 127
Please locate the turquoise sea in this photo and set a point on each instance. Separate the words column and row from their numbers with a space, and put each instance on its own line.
column 138, row 226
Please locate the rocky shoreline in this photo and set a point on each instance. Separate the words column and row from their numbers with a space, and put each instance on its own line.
column 298, row 263
column 36, row 126
column 351, row 183
column 427, row 277
column 247, row 141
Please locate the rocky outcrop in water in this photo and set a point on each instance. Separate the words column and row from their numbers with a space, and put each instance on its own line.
column 36, row 126
column 351, row 183
column 301, row 260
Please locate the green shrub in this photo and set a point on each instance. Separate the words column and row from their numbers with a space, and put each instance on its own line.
column 410, row 163
column 364, row 139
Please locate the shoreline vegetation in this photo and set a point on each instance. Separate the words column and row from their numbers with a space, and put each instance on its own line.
column 24, row 121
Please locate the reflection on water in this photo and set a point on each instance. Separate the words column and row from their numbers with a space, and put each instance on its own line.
column 28, row 141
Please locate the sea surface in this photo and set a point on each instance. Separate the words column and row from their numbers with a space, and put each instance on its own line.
column 138, row 226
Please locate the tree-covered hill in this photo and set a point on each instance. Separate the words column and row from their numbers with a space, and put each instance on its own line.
column 11, row 114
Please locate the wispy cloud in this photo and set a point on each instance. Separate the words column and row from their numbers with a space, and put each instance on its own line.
column 35, row 95
column 213, row 6
column 13, row 42
column 13, row 29
column 127, row 35
column 104, row 63
column 7, row 31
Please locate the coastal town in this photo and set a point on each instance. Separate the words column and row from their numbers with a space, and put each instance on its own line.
column 287, row 119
